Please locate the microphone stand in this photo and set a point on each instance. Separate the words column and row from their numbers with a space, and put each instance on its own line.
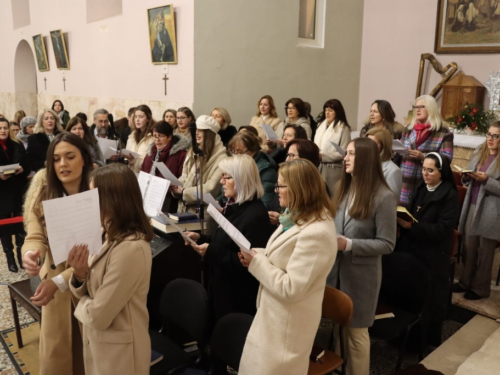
column 198, row 156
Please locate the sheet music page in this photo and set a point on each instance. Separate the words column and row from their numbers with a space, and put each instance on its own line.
column 337, row 148
column 168, row 174
column 155, row 195
column 144, row 179
column 208, row 199
column 73, row 220
column 270, row 133
column 398, row 147
column 8, row 167
column 126, row 152
column 230, row 229
column 172, row 223
column 105, row 145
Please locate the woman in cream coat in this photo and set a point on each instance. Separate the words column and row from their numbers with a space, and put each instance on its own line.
column 333, row 128
column 113, row 285
column 292, row 272
column 266, row 114
column 210, row 143
column 140, row 139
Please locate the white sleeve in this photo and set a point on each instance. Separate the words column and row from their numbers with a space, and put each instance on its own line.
column 60, row 283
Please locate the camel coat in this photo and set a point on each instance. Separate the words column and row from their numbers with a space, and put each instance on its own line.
column 273, row 121
column 141, row 148
column 60, row 348
column 112, row 309
column 292, row 272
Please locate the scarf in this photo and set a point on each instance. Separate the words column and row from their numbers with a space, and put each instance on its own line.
column 3, row 143
column 423, row 132
column 286, row 220
column 229, row 202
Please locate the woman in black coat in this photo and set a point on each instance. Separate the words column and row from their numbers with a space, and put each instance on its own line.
column 434, row 205
column 12, row 187
column 46, row 128
column 231, row 287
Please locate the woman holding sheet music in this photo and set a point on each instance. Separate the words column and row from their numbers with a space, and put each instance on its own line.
column 333, row 128
column 434, row 205
column 231, row 288
column 113, row 285
column 292, row 272
column 68, row 167
column 140, row 139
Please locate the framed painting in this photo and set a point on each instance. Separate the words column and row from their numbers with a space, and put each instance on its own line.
column 468, row 26
column 60, row 51
column 41, row 53
column 162, row 41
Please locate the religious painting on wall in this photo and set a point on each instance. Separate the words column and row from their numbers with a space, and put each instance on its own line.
column 468, row 26
column 59, row 46
column 162, row 39
column 41, row 53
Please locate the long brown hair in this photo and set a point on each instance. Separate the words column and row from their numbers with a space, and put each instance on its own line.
column 138, row 134
column 121, row 204
column 307, row 198
column 484, row 151
column 54, row 187
column 207, row 146
column 272, row 110
column 366, row 179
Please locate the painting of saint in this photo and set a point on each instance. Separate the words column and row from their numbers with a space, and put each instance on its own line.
column 60, row 52
column 41, row 53
column 162, row 35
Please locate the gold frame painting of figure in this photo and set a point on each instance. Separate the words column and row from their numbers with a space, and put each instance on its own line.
column 468, row 26
column 162, row 39
column 41, row 53
column 60, row 51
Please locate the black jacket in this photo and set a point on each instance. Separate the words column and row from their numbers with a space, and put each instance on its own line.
column 231, row 287
column 38, row 144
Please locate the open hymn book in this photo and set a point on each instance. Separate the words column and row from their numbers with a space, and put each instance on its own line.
column 404, row 214
column 462, row 170
column 153, row 190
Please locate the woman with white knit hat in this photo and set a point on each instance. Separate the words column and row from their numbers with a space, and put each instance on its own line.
column 214, row 151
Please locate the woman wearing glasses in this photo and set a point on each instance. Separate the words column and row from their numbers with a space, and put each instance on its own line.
column 184, row 117
column 290, row 133
column 480, row 218
column 292, row 272
column 425, row 134
column 296, row 114
column 231, row 288
column 434, row 205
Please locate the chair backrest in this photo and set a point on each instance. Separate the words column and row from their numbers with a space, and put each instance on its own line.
column 184, row 307
column 458, row 178
column 228, row 338
column 337, row 306
column 406, row 282
column 462, row 192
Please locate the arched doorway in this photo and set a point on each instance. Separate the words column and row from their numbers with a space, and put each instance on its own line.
column 25, row 79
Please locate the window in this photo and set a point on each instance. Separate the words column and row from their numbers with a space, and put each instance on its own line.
column 312, row 23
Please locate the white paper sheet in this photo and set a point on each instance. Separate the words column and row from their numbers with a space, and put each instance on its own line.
column 9, row 167
column 172, row 223
column 105, row 145
column 153, row 191
column 73, row 220
column 230, row 229
column 168, row 174
column 270, row 133
column 398, row 147
column 126, row 153
column 208, row 199
column 144, row 179
column 337, row 148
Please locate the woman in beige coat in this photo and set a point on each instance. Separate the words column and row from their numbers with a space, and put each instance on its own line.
column 292, row 272
column 113, row 285
column 68, row 166
column 214, row 151
column 140, row 139
column 266, row 114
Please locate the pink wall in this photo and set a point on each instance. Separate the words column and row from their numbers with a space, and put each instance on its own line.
column 395, row 34
column 112, row 64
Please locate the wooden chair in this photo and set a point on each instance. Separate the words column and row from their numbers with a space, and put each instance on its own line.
column 458, row 178
column 338, row 307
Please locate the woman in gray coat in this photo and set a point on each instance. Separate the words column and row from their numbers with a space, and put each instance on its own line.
column 480, row 218
column 366, row 229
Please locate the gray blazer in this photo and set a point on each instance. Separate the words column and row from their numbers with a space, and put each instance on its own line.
column 358, row 272
column 486, row 221
column 393, row 176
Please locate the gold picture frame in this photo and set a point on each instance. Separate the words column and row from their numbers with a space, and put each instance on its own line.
column 60, row 51
column 40, row 53
column 162, row 36
column 467, row 27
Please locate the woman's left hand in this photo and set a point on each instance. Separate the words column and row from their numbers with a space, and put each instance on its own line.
column 405, row 224
column 200, row 249
column 415, row 154
column 177, row 190
column 19, row 170
column 246, row 258
column 78, row 258
column 479, row 176
column 130, row 157
column 44, row 293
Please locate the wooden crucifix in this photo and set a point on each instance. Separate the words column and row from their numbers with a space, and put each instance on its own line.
column 45, row 81
column 64, row 83
column 165, row 79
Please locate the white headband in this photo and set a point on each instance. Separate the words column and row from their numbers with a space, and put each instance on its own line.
column 438, row 156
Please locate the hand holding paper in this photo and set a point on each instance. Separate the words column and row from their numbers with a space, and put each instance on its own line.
column 168, row 174
column 208, row 199
column 270, row 133
column 172, row 223
column 339, row 149
column 398, row 147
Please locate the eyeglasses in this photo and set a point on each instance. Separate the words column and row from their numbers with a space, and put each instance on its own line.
column 492, row 136
column 238, row 152
column 418, row 106
column 278, row 187
column 225, row 177
column 181, row 118
column 159, row 136
column 292, row 156
column 428, row 170
column 287, row 108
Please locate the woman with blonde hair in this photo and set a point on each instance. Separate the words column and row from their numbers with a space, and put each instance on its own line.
column 266, row 114
column 227, row 131
column 19, row 115
column 480, row 218
column 292, row 272
column 425, row 134
column 47, row 127
column 140, row 139
column 392, row 173
column 366, row 227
